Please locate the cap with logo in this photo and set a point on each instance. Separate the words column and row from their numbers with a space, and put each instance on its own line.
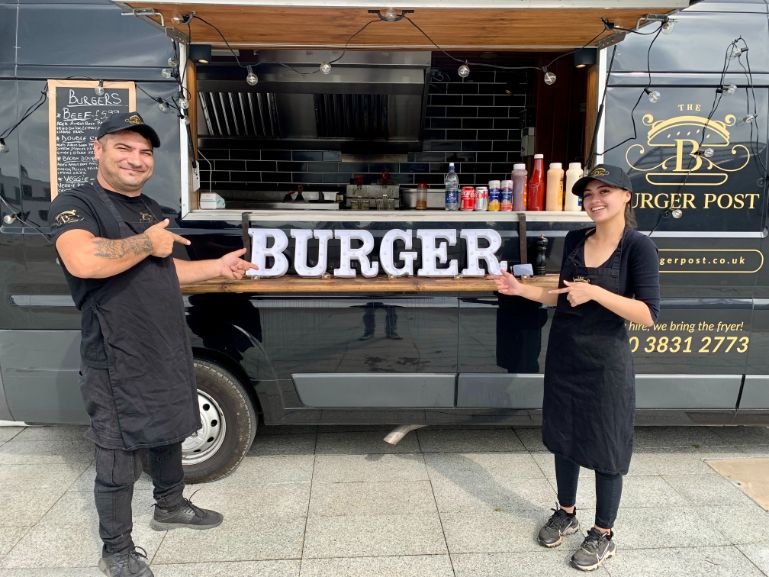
column 129, row 121
column 606, row 173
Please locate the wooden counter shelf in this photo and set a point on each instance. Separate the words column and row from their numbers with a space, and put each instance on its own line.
column 380, row 284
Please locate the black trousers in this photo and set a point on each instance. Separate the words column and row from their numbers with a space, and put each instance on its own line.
column 116, row 472
column 608, row 491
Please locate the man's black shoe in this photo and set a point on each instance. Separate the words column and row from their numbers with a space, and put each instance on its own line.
column 186, row 516
column 131, row 563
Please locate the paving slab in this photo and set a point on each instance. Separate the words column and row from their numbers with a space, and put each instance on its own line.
column 54, row 572
column 78, row 507
column 268, row 469
column 390, row 566
column 743, row 436
column 51, row 545
column 26, row 508
column 482, row 465
column 8, row 433
column 363, row 442
column 243, row 504
column 266, row 538
column 371, row 468
column 689, row 437
column 469, row 441
column 553, row 563
column 51, row 433
column 494, row 532
column 39, row 477
column 758, row 553
column 384, row 498
column 484, row 494
column 702, row 490
column 739, row 524
column 45, row 452
column 278, row 568
column 369, row 536
column 531, row 438
column 675, row 562
column 638, row 491
column 296, row 444
column 751, row 475
column 662, row 528
column 9, row 536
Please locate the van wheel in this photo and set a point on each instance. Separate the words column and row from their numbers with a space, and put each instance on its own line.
column 228, row 426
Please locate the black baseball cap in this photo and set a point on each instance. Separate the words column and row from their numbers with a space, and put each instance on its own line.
column 606, row 173
column 129, row 121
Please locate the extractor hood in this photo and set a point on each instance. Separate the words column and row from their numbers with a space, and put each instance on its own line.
column 374, row 99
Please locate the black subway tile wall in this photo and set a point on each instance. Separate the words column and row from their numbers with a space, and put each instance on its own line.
column 475, row 122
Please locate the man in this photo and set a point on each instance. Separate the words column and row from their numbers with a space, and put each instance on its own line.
column 137, row 382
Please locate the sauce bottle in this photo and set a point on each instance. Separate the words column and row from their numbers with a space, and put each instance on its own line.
column 554, row 194
column 536, row 189
column 519, row 187
column 571, row 202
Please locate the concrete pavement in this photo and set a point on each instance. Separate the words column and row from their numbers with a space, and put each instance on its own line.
column 323, row 502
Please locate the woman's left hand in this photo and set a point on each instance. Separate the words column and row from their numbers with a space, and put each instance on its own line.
column 577, row 293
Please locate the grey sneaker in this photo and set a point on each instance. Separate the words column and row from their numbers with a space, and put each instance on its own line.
column 558, row 525
column 186, row 516
column 595, row 549
column 131, row 563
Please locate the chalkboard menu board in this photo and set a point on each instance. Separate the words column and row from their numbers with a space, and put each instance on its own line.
column 75, row 112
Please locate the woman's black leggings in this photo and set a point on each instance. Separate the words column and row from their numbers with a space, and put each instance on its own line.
column 608, row 491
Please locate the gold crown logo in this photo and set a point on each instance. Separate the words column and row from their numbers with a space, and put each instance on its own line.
column 134, row 119
column 678, row 142
column 600, row 171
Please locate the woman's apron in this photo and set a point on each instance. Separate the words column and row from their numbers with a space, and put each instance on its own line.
column 140, row 313
column 589, row 401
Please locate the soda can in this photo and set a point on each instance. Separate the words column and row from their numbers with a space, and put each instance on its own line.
column 494, row 195
column 467, row 199
column 506, row 196
column 481, row 198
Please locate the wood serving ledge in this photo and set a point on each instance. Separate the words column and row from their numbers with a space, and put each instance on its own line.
column 380, row 284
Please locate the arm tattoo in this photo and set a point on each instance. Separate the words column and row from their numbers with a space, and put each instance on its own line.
column 117, row 249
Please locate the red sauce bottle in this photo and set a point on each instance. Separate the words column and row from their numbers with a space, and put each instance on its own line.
column 536, row 188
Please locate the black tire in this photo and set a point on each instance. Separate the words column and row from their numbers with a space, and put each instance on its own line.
column 229, row 426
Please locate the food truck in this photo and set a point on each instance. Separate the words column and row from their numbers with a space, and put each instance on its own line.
column 318, row 135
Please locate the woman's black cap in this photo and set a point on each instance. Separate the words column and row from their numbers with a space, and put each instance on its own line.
column 129, row 121
column 606, row 173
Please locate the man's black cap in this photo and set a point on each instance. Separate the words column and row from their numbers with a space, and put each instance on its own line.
column 606, row 173
column 129, row 121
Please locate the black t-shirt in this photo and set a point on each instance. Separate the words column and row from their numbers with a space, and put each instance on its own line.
column 81, row 209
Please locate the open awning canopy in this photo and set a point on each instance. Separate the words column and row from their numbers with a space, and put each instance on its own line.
column 449, row 24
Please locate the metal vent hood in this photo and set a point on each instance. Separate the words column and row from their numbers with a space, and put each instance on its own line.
column 371, row 98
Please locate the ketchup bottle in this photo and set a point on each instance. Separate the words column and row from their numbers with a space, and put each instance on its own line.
column 536, row 189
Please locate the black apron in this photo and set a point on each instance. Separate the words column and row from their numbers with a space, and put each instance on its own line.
column 589, row 402
column 140, row 314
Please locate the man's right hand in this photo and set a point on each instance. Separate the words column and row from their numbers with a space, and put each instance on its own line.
column 163, row 240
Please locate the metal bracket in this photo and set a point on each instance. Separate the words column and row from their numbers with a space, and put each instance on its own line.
column 148, row 14
column 245, row 220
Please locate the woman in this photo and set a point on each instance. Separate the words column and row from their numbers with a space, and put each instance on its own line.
column 609, row 275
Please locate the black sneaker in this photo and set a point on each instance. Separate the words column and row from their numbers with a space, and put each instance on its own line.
column 131, row 563
column 558, row 525
column 595, row 549
column 186, row 516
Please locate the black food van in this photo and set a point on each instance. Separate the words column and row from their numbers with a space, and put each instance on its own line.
column 304, row 131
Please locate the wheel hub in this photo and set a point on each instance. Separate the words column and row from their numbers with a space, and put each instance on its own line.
column 207, row 440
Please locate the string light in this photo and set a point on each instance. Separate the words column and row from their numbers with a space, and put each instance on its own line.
column 251, row 78
column 653, row 95
column 748, row 119
column 325, row 68
column 99, row 88
column 162, row 105
column 183, row 103
column 463, row 70
column 3, row 146
column 167, row 73
column 727, row 89
column 549, row 78
column 668, row 25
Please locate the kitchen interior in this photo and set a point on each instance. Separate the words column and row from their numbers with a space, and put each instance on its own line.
column 381, row 128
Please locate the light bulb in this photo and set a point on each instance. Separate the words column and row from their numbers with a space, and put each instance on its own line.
column 707, row 152
column 3, row 146
column 748, row 118
column 162, row 105
column 667, row 26
column 251, row 78
column 173, row 62
column 183, row 103
column 99, row 88
column 676, row 213
column 463, row 70
column 653, row 95
column 729, row 88
column 325, row 68
column 550, row 78
column 167, row 73
column 737, row 52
